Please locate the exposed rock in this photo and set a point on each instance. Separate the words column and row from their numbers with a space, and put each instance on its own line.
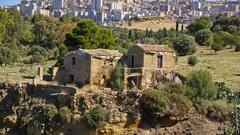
column 10, row 120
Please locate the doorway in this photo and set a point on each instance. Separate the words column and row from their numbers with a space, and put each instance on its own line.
column 160, row 61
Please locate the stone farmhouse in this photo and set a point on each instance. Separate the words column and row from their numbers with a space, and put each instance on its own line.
column 149, row 64
column 146, row 64
column 88, row 66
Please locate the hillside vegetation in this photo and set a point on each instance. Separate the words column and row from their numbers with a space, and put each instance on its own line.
column 224, row 66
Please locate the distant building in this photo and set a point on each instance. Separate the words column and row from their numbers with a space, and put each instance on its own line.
column 58, row 4
column 28, row 8
column 96, row 5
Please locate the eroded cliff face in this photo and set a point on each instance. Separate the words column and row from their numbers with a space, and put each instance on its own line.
column 22, row 104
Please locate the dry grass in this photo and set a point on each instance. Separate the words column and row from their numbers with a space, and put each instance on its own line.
column 225, row 66
column 21, row 72
column 155, row 25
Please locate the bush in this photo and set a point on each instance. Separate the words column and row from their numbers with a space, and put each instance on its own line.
column 192, row 60
column 237, row 49
column 181, row 89
column 62, row 51
column 184, row 45
column 202, row 82
column 204, row 37
column 7, row 55
column 95, row 117
column 158, row 105
column 216, row 47
column 154, row 101
column 37, row 58
column 40, row 50
column 116, row 78
column 49, row 112
column 39, row 54
column 217, row 110
column 64, row 115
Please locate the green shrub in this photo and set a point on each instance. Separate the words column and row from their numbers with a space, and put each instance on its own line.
column 38, row 54
column 237, row 49
column 202, row 82
column 7, row 55
column 49, row 112
column 116, row 78
column 96, row 117
column 204, row 37
column 179, row 104
column 217, row 110
column 216, row 47
column 62, row 51
column 184, row 45
column 37, row 58
column 192, row 60
column 64, row 115
column 154, row 101
column 38, row 50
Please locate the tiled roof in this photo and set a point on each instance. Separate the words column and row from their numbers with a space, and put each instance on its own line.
column 103, row 52
column 98, row 52
column 155, row 48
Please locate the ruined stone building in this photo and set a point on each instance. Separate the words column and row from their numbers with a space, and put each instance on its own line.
column 146, row 64
column 149, row 64
column 151, row 57
column 88, row 66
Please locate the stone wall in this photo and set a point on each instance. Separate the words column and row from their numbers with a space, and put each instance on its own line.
column 101, row 70
column 81, row 70
column 150, row 60
column 138, row 54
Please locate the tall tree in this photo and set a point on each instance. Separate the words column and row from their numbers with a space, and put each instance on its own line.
column 177, row 25
column 89, row 36
column 199, row 24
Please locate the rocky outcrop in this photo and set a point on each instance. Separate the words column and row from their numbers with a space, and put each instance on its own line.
column 21, row 104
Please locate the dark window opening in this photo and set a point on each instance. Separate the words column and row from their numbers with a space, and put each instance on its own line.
column 160, row 61
column 71, row 78
column 132, row 61
column 73, row 61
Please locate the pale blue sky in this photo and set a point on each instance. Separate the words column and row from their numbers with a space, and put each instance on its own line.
column 9, row 2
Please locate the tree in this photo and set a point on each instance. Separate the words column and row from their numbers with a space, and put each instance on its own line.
column 62, row 51
column 116, row 78
column 146, row 33
column 184, row 45
column 95, row 117
column 130, row 34
column 182, row 28
column 177, row 26
column 199, row 24
column 7, row 56
column 89, row 36
column 216, row 47
column 204, row 37
column 38, row 49
column 203, row 83
column 39, row 54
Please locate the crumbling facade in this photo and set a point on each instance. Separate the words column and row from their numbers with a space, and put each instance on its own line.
column 148, row 64
column 88, row 66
